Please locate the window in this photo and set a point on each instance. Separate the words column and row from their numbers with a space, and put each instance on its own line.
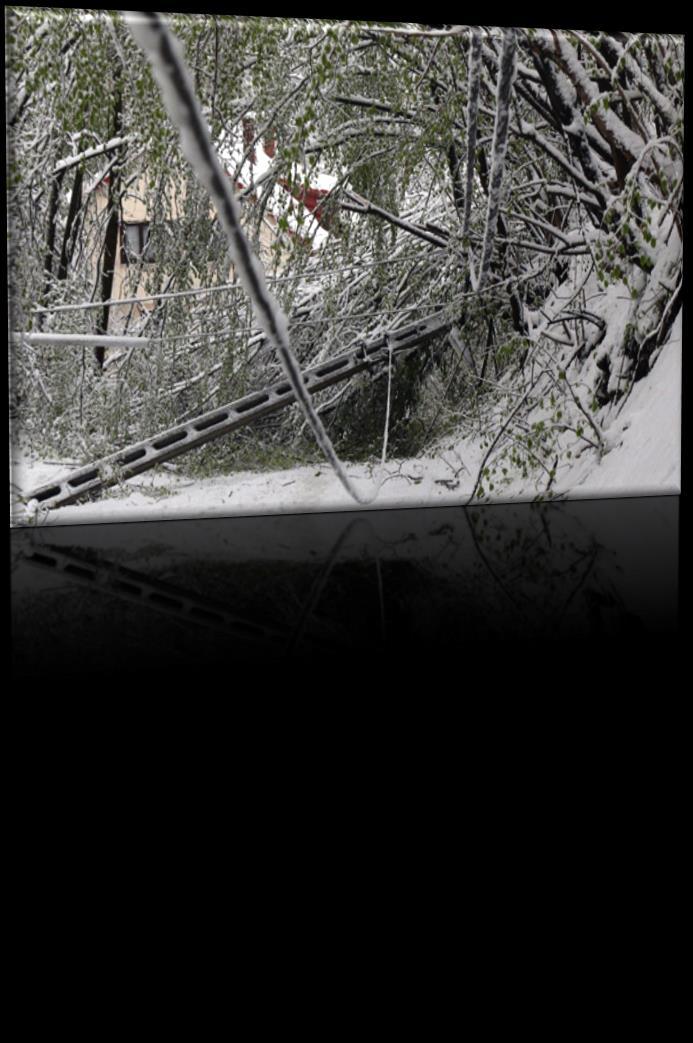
column 134, row 243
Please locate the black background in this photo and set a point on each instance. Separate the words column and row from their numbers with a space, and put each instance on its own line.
column 416, row 593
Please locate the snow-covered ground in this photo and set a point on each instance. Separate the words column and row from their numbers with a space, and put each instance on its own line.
column 642, row 440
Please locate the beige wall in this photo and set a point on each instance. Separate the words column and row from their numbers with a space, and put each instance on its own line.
column 134, row 210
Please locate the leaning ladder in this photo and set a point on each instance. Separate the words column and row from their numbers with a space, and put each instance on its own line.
column 141, row 456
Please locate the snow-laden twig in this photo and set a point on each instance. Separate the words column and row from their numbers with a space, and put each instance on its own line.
column 498, row 437
column 455, row 30
column 363, row 206
column 81, row 340
column 89, row 153
column 171, row 73
column 609, row 125
column 506, row 74
column 664, row 107
column 598, row 434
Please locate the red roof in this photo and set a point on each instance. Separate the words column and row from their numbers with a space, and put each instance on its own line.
column 311, row 199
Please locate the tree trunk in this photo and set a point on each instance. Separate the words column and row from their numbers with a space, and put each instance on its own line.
column 70, row 225
column 53, row 206
column 111, row 242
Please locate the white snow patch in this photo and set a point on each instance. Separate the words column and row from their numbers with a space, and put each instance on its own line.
column 644, row 439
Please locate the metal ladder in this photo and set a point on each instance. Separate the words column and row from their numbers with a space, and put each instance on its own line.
column 139, row 457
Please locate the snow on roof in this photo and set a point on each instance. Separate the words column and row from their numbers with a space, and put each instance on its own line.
column 309, row 228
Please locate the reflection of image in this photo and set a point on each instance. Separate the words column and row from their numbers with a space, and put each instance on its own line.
column 434, row 581
column 303, row 264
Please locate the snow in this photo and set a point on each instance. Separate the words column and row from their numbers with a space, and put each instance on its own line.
column 644, row 440
column 642, row 458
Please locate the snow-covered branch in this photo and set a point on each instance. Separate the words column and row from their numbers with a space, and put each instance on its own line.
column 506, row 74
column 455, row 30
column 89, row 153
column 165, row 56
column 609, row 125
column 356, row 203
column 472, row 114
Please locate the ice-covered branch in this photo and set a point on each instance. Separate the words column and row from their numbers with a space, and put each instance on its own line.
column 506, row 74
column 98, row 150
column 472, row 115
column 359, row 205
column 454, row 30
column 170, row 71
column 81, row 340
column 609, row 125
